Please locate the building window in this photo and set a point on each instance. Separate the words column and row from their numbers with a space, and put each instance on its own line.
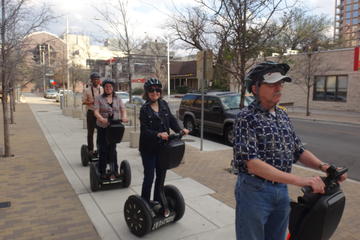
column 348, row 8
column 355, row 14
column 355, row 6
column 330, row 88
column 355, row 21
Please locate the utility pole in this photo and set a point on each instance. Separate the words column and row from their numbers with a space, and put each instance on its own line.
column 202, row 102
column 168, row 66
column 67, row 53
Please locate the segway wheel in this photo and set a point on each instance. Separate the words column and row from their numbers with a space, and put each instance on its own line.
column 137, row 215
column 94, row 180
column 175, row 200
column 125, row 172
column 84, row 152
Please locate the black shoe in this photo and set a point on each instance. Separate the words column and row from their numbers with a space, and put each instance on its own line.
column 104, row 177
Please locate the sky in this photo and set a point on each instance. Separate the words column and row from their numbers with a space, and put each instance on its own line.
column 147, row 17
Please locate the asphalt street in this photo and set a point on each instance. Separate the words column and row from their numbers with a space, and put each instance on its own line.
column 332, row 142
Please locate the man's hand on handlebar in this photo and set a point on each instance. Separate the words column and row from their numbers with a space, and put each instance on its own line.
column 341, row 178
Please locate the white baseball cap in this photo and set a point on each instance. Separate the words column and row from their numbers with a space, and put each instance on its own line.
column 273, row 77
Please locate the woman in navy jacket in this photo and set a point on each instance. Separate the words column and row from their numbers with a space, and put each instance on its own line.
column 156, row 120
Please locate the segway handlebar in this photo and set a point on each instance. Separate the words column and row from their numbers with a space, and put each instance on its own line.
column 331, row 180
column 176, row 135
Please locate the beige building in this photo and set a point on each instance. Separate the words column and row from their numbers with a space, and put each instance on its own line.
column 45, row 58
column 333, row 83
column 81, row 51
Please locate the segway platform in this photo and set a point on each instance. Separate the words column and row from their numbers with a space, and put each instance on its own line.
column 316, row 216
column 142, row 218
column 114, row 135
column 123, row 181
column 86, row 156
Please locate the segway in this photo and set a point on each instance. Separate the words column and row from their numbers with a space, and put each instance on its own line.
column 114, row 134
column 140, row 216
column 316, row 216
column 86, row 156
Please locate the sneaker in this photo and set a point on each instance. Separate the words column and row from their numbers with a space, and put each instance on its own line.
column 104, row 177
column 112, row 177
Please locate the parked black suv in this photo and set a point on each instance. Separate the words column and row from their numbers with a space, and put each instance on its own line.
column 220, row 109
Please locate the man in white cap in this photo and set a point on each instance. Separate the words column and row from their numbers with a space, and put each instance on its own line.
column 265, row 147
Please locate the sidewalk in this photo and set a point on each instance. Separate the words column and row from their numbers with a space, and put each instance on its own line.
column 203, row 180
column 343, row 117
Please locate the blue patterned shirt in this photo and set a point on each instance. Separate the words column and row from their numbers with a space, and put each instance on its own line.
column 262, row 135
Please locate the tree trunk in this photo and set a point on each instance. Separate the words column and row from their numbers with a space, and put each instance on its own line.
column 129, row 69
column 12, row 107
column 5, row 106
column 308, row 101
column 308, row 85
column 5, row 86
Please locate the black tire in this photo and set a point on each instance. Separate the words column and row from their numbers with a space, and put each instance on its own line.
column 189, row 124
column 94, row 179
column 229, row 135
column 175, row 200
column 84, row 152
column 125, row 172
column 137, row 215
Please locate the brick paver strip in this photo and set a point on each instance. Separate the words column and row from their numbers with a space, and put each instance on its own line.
column 43, row 203
column 210, row 168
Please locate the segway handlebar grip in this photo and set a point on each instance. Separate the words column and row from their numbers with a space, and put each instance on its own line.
column 307, row 189
column 176, row 135
column 333, row 173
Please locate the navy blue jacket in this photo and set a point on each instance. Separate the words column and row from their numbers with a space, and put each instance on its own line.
column 151, row 125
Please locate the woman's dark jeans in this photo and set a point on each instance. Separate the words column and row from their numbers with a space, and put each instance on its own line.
column 149, row 162
column 107, row 152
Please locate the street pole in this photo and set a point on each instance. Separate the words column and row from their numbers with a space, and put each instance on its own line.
column 202, row 102
column 168, row 66
column 67, row 53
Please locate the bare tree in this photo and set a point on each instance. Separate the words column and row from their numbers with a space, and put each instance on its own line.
column 115, row 15
column 238, row 29
column 308, row 34
column 18, row 19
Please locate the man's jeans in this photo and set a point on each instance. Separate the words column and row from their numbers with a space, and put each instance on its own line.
column 262, row 209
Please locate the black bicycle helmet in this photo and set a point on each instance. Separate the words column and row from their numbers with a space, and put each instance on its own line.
column 94, row 75
column 106, row 81
column 256, row 74
column 152, row 82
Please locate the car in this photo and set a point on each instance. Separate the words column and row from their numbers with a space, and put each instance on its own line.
column 137, row 101
column 220, row 110
column 50, row 93
column 61, row 93
column 123, row 95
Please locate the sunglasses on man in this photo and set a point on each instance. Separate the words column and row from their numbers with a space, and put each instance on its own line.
column 151, row 90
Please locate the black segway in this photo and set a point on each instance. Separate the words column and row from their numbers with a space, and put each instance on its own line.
column 86, row 156
column 316, row 216
column 114, row 134
column 140, row 216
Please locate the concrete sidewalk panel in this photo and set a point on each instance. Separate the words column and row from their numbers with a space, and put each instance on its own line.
column 224, row 233
column 101, row 223
column 112, row 201
column 191, row 224
column 213, row 210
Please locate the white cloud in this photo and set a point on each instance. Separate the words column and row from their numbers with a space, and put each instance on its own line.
column 145, row 15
